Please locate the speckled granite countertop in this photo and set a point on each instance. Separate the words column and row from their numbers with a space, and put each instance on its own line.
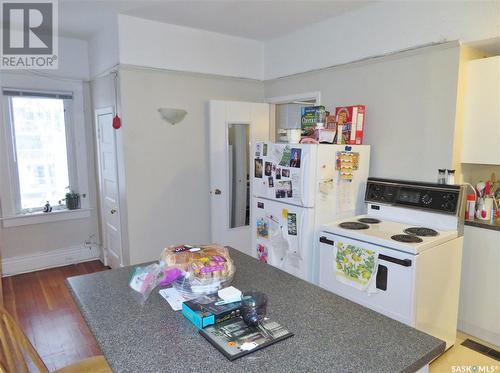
column 486, row 224
column 332, row 334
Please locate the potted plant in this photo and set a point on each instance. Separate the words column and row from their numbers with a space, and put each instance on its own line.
column 72, row 200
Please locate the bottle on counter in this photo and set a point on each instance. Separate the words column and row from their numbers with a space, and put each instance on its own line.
column 488, row 208
column 450, row 179
column 470, row 210
column 441, row 179
column 484, row 207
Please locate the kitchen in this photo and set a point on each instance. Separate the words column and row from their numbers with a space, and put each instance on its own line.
column 404, row 145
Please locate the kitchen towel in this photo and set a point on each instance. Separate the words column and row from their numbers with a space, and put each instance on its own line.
column 355, row 266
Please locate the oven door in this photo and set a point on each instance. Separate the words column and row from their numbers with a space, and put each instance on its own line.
column 393, row 294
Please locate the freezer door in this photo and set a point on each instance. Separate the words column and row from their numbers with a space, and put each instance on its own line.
column 285, row 172
column 283, row 236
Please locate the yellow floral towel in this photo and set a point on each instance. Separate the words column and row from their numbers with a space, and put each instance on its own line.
column 355, row 266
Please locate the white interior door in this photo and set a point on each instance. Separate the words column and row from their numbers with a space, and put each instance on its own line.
column 109, row 192
column 233, row 127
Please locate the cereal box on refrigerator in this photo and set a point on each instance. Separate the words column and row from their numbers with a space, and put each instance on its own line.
column 312, row 118
column 351, row 119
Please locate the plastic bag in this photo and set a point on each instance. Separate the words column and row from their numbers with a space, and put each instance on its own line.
column 192, row 270
column 207, row 268
column 145, row 279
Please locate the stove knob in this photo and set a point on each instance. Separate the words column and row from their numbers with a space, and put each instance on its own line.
column 449, row 206
column 426, row 199
column 449, row 197
column 376, row 193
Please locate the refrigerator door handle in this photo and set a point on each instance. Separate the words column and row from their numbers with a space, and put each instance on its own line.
column 303, row 176
column 301, row 232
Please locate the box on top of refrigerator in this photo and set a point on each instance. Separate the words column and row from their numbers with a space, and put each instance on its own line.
column 352, row 120
column 312, row 118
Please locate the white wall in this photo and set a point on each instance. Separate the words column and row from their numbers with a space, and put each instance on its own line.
column 166, row 166
column 30, row 246
column 377, row 29
column 172, row 47
column 73, row 59
column 103, row 50
column 44, row 238
column 410, row 99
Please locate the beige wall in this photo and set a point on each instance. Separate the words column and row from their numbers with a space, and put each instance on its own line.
column 474, row 173
column 166, row 166
column 410, row 99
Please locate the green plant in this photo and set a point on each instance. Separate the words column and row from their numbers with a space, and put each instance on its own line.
column 73, row 199
column 71, row 194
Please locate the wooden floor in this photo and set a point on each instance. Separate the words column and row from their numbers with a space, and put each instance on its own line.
column 45, row 310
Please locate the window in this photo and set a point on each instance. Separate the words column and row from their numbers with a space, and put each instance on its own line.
column 41, row 148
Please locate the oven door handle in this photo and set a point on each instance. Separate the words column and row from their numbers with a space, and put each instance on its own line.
column 323, row 239
column 401, row 262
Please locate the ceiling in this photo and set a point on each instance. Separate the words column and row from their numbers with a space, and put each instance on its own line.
column 259, row 20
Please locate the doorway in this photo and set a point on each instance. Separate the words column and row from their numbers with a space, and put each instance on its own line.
column 109, row 188
column 233, row 127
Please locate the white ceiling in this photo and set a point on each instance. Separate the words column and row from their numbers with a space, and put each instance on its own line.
column 259, row 20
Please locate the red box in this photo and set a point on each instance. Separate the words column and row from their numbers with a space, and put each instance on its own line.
column 353, row 120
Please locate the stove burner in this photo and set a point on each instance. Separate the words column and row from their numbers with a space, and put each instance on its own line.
column 421, row 231
column 353, row 225
column 406, row 238
column 369, row 220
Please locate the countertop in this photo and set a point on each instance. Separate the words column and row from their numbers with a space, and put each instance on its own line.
column 331, row 333
column 486, row 224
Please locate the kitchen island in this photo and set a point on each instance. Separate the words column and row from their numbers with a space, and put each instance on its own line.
column 332, row 334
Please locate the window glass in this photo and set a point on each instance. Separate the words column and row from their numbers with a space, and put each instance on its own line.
column 41, row 151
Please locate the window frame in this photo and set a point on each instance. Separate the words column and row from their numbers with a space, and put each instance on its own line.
column 12, row 150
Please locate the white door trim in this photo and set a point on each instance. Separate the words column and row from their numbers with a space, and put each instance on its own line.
column 97, row 113
column 273, row 101
column 315, row 95
column 223, row 113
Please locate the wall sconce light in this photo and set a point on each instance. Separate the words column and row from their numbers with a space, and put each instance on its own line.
column 172, row 115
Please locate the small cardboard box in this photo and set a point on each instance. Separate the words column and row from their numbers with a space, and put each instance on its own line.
column 203, row 312
column 312, row 117
column 352, row 119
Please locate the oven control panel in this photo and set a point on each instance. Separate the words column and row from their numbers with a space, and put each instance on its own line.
column 426, row 196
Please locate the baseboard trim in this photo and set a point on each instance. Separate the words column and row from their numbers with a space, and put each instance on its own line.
column 55, row 258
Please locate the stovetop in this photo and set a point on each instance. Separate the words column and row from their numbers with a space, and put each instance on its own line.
column 392, row 234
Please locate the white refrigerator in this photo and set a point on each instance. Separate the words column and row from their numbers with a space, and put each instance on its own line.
column 296, row 188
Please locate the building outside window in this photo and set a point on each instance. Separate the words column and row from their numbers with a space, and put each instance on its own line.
column 40, row 129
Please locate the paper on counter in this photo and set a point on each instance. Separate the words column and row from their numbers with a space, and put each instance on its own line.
column 173, row 297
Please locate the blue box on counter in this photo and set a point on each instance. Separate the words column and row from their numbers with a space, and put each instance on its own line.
column 203, row 311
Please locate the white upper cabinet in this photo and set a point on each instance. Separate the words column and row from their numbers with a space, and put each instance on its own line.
column 481, row 137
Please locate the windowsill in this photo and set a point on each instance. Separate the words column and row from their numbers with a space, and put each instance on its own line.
column 44, row 217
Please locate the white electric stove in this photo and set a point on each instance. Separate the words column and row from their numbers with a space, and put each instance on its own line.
column 415, row 230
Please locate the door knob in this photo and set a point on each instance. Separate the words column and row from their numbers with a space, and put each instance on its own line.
column 218, row 191
column 113, row 211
